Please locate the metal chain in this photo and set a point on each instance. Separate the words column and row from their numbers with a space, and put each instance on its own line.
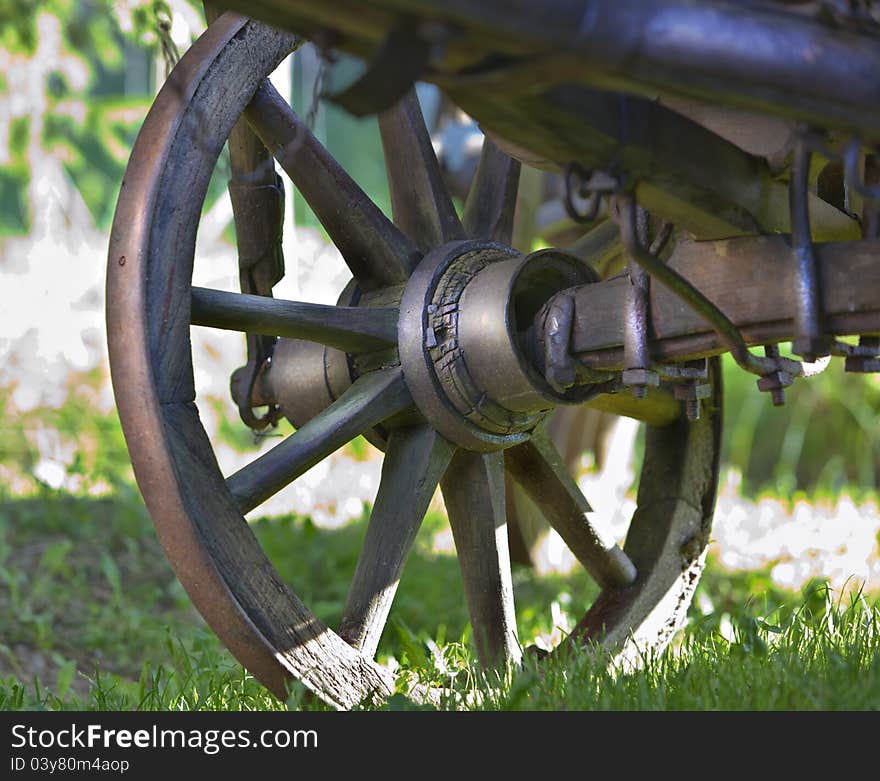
column 170, row 52
column 317, row 89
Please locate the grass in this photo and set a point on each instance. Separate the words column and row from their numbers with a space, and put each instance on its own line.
column 94, row 619
column 791, row 659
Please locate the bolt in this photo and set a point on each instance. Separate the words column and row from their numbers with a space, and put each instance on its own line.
column 862, row 364
column 691, row 393
column 639, row 380
column 775, row 382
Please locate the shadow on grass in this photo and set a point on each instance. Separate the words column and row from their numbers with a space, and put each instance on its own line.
column 319, row 564
column 93, row 617
column 85, row 586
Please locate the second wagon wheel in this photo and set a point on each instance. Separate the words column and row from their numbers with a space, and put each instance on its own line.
column 426, row 339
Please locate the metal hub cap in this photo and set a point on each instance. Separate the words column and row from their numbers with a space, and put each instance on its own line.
column 462, row 317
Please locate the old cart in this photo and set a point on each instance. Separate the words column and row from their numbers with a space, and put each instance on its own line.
column 722, row 152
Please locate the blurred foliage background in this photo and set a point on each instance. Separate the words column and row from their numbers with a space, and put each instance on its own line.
column 78, row 78
column 822, row 442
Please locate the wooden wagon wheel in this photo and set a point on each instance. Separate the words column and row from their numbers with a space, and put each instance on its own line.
column 427, row 257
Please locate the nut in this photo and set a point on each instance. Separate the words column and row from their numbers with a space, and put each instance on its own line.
column 861, row 365
column 692, row 391
column 776, row 380
column 640, row 377
column 639, row 380
column 774, row 383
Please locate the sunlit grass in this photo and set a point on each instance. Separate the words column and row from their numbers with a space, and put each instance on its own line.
column 93, row 617
column 96, row 620
column 796, row 657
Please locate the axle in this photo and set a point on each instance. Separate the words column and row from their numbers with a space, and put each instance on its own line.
column 475, row 354
column 750, row 280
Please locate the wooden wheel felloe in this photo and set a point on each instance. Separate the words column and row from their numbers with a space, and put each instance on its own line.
column 406, row 390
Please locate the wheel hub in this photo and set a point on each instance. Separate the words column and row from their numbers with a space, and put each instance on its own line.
column 462, row 319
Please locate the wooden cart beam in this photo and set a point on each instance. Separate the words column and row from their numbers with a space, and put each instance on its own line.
column 751, row 280
column 718, row 51
column 547, row 107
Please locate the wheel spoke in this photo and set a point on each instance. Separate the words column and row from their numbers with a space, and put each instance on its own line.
column 420, row 202
column 352, row 329
column 370, row 400
column 415, row 460
column 375, row 250
column 491, row 201
column 473, row 490
column 537, row 466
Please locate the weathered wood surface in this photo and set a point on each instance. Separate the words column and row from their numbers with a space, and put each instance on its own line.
column 666, row 539
column 301, row 642
column 547, row 116
column 750, row 280
column 420, row 204
column 537, row 466
column 348, row 328
column 376, row 251
column 473, row 491
column 684, row 172
column 492, row 199
column 806, row 69
column 415, row 460
column 172, row 229
column 370, row 400
column 213, row 552
column 657, row 408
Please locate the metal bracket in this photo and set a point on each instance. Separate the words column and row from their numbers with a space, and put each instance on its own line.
column 259, row 216
column 638, row 374
column 863, row 358
column 810, row 341
column 398, row 63
column 584, row 189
